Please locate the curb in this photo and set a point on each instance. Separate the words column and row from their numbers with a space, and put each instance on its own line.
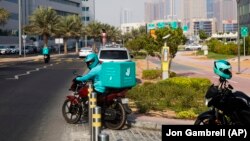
column 154, row 123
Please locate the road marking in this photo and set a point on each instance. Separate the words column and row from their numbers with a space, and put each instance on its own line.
column 27, row 72
column 10, row 78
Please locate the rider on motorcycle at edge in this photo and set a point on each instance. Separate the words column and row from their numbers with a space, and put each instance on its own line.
column 94, row 74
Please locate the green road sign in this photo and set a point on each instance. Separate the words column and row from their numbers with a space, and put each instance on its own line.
column 174, row 25
column 151, row 26
column 244, row 31
column 185, row 28
column 161, row 25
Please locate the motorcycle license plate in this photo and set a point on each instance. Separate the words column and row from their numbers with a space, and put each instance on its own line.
column 124, row 100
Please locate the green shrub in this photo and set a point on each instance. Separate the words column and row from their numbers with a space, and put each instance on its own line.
column 186, row 115
column 172, row 74
column 177, row 94
column 151, row 74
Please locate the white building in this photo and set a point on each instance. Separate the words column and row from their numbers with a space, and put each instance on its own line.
column 128, row 27
column 207, row 25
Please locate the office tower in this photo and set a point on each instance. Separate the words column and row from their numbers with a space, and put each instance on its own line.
column 125, row 16
column 149, row 11
column 210, row 8
column 224, row 10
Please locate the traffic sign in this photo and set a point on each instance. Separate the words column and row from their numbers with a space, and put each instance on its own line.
column 161, row 25
column 151, row 26
column 244, row 31
column 174, row 25
column 185, row 28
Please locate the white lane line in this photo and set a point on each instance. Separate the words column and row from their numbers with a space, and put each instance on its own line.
column 228, row 80
column 10, row 78
column 27, row 72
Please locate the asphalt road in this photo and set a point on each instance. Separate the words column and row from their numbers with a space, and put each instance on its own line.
column 30, row 107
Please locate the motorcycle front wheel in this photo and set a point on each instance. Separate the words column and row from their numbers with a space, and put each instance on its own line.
column 120, row 117
column 71, row 112
column 207, row 121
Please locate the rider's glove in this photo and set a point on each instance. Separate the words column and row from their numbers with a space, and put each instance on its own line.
column 78, row 79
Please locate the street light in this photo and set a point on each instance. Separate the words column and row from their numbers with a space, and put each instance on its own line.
column 20, row 27
column 238, row 37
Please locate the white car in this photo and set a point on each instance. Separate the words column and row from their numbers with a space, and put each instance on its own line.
column 84, row 51
column 4, row 49
column 114, row 54
column 193, row 46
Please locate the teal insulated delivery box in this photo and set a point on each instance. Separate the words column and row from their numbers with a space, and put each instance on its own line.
column 118, row 74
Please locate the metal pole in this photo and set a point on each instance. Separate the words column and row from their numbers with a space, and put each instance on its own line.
column 24, row 53
column 20, row 27
column 238, row 37
column 103, row 137
column 90, row 89
column 96, row 122
column 244, row 46
column 85, row 19
column 92, row 105
column 59, row 48
column 172, row 10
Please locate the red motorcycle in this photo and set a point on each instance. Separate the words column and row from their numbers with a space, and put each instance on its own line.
column 114, row 105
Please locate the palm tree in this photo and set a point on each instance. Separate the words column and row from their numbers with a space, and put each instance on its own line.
column 79, row 29
column 69, row 27
column 4, row 16
column 43, row 22
column 94, row 30
column 114, row 34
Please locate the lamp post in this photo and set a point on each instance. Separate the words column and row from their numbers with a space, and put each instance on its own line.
column 238, row 37
column 20, row 27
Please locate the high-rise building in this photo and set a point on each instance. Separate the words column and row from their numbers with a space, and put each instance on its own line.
column 210, row 8
column 224, row 10
column 149, row 11
column 125, row 16
column 244, row 13
column 88, row 11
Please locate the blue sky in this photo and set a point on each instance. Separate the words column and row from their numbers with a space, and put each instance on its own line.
column 108, row 11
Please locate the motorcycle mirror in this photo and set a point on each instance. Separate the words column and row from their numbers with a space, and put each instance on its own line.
column 74, row 72
column 230, row 87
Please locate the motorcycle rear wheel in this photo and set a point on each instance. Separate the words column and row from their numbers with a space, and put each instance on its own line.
column 120, row 118
column 71, row 112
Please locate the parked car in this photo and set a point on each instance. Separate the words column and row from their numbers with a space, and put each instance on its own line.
column 84, row 51
column 114, row 54
column 13, row 49
column 4, row 49
column 193, row 46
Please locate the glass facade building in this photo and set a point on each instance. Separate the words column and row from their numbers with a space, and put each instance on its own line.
column 83, row 8
column 244, row 13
